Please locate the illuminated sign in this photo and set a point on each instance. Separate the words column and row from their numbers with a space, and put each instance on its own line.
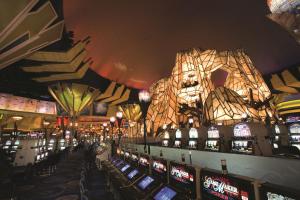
column 217, row 186
column 241, row 130
column 144, row 161
column 183, row 178
column 22, row 104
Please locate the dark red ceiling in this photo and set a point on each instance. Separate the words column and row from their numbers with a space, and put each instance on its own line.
column 135, row 41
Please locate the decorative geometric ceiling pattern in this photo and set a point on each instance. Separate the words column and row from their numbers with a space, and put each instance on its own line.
column 73, row 61
column 24, row 31
column 190, row 84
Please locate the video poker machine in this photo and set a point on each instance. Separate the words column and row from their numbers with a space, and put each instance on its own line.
column 144, row 163
column 270, row 191
column 178, row 139
column 134, row 159
column 213, row 139
column 193, row 138
column 216, row 186
column 159, row 169
column 166, row 139
column 182, row 183
column 242, row 141
column 127, row 156
column 294, row 133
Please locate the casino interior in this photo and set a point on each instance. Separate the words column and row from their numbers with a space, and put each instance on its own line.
column 164, row 100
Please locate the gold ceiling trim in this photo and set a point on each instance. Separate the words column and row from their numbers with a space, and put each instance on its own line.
column 65, row 76
column 28, row 32
column 108, row 92
column 60, row 57
column 117, row 95
column 58, row 67
column 124, row 98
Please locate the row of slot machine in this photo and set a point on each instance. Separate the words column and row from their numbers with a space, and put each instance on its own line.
column 22, row 152
column 293, row 133
column 141, row 176
column 242, row 142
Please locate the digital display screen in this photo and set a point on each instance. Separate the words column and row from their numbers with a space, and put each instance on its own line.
column 213, row 132
column 177, row 143
column 193, row 133
column 277, row 130
column 241, row 130
column 165, row 143
column 134, row 157
column 132, row 174
column 295, row 129
column 193, row 144
column 178, row 134
column 127, row 155
column 144, row 161
column 165, row 193
column 8, row 142
column 215, row 186
column 183, row 177
column 119, row 163
column 145, row 182
column 125, row 168
column 159, row 166
column 275, row 192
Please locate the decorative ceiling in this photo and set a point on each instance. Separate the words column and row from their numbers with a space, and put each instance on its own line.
column 136, row 42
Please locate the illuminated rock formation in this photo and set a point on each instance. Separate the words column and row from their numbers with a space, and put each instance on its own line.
column 190, row 84
column 286, row 14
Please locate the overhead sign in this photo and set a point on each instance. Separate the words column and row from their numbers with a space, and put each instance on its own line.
column 22, row 104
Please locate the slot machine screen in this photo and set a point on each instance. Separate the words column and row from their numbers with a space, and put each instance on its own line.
column 134, row 157
column 214, row 186
column 123, row 169
column 178, row 134
column 8, row 143
column 119, row 163
column 159, row 168
column 183, row 177
column 127, row 154
column 193, row 144
column 145, row 182
column 275, row 192
column 132, row 174
column 165, row 143
column 144, row 161
column 213, row 132
column 193, row 133
column 295, row 129
column 277, row 130
column 241, row 130
column 177, row 143
column 165, row 193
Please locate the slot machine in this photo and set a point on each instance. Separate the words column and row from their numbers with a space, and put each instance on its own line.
column 242, row 141
column 51, row 145
column 61, row 144
column 294, row 133
column 213, row 184
column 270, row 191
column 276, row 140
column 178, row 139
column 213, row 139
column 193, row 138
column 127, row 156
column 75, row 142
column 166, row 139
column 134, row 159
column 182, row 180
column 159, row 169
column 144, row 163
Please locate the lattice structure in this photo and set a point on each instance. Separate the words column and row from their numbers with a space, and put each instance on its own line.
column 190, row 83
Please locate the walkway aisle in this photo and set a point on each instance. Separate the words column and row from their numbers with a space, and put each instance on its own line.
column 62, row 185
